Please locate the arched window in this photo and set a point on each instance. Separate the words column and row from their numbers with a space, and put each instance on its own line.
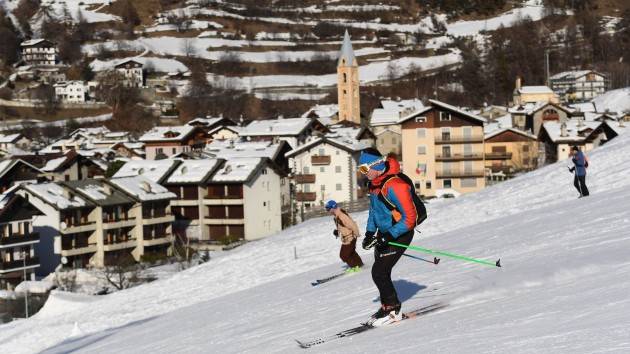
column 344, row 78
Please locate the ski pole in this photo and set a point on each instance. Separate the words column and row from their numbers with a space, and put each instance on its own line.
column 451, row 255
column 434, row 261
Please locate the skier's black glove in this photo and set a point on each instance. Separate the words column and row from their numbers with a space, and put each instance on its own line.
column 571, row 169
column 336, row 233
column 383, row 241
column 370, row 240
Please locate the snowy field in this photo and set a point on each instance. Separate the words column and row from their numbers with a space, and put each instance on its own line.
column 563, row 287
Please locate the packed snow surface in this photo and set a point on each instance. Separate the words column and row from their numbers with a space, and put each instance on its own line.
column 563, row 287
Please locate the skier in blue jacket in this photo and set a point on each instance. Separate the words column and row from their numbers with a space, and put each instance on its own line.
column 580, row 164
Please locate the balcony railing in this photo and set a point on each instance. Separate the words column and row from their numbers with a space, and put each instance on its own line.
column 305, row 178
column 504, row 169
column 498, row 156
column 458, row 139
column 459, row 174
column 19, row 264
column 306, row 196
column 458, row 157
column 320, row 160
column 17, row 239
column 213, row 196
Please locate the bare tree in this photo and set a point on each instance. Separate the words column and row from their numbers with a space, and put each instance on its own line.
column 46, row 100
column 123, row 273
column 179, row 20
column 66, row 279
column 188, row 48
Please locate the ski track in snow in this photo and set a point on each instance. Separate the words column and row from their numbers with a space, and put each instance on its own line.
column 562, row 289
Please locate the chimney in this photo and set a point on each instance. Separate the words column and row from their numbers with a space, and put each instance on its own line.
column 563, row 130
column 580, row 122
column 518, row 83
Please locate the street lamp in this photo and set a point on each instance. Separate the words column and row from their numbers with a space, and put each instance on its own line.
column 26, row 286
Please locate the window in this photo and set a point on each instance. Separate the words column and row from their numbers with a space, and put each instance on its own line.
column 447, row 183
column 421, row 150
column 421, row 119
column 394, row 141
column 321, row 152
column 322, row 169
column 174, row 151
column 337, row 169
column 338, row 186
column 322, row 187
column 159, row 150
column 445, row 116
column 525, row 148
column 446, row 151
column 416, row 185
column 468, row 167
column 264, row 204
column 345, row 79
column 428, row 184
column 264, row 171
column 307, row 188
column 305, row 170
column 469, row 182
column 467, row 132
column 468, row 150
column 421, row 133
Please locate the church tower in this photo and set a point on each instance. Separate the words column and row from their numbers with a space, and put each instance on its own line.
column 348, row 83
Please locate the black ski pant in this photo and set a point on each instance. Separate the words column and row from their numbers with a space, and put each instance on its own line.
column 580, row 184
column 384, row 261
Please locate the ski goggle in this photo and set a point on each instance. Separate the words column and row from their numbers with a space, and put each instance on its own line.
column 365, row 168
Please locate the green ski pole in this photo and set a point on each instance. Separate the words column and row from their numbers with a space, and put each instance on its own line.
column 451, row 255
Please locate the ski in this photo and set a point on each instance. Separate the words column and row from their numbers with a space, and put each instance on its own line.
column 321, row 281
column 365, row 327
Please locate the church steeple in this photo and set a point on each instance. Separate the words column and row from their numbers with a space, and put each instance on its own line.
column 346, row 54
column 348, row 82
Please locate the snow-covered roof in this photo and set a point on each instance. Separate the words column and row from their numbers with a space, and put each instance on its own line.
column 322, row 111
column 208, row 121
column 575, row 130
column 9, row 138
column 499, row 123
column 54, row 164
column 239, row 169
column 393, row 111
column 614, row 101
column 514, row 130
column 31, row 42
column 193, row 171
column 155, row 170
column 35, row 286
column 175, row 133
column 618, row 127
column 7, row 165
column 276, row 127
column 229, row 149
column 455, row 109
column 583, row 107
column 535, row 89
column 56, row 195
column 95, row 131
column 570, row 75
column 142, row 188
column 97, row 191
column 529, row 108
column 347, row 136
column 346, row 51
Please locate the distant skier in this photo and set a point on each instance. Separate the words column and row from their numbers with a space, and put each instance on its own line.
column 347, row 229
column 385, row 225
column 580, row 164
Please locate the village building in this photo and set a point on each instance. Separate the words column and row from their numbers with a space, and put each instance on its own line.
column 218, row 128
column 14, row 143
column 18, row 240
column 15, row 171
column 39, row 52
column 531, row 116
column 74, row 91
column 93, row 223
column 531, row 94
column 557, row 138
column 384, row 123
column 73, row 166
column 223, row 203
column 578, row 85
column 443, row 150
column 508, row 152
column 163, row 142
column 132, row 73
column 326, row 167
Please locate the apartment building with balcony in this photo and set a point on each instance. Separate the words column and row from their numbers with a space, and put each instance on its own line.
column 153, row 230
column 39, row 52
column 221, row 202
column 509, row 151
column 384, row 123
column 18, row 258
column 326, row 168
column 132, row 73
column 579, row 85
column 93, row 223
column 443, row 149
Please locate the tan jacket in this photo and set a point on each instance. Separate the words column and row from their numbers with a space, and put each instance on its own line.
column 347, row 228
